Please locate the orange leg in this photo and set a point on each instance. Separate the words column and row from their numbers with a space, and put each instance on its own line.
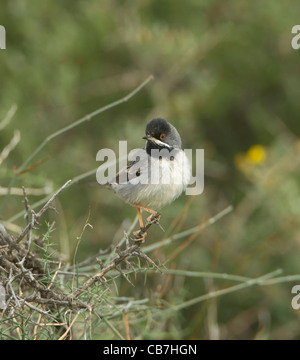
column 140, row 235
column 146, row 209
column 140, row 217
column 152, row 212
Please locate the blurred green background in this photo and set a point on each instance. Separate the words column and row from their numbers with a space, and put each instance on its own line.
column 227, row 77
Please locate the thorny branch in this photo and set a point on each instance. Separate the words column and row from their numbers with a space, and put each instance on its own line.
column 133, row 250
column 23, row 275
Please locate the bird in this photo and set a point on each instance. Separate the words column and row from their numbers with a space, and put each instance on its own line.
column 157, row 176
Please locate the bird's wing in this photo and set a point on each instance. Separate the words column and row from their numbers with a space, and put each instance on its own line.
column 127, row 173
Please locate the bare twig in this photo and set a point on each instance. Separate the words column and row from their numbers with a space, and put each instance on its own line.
column 11, row 112
column 10, row 146
column 26, row 204
column 46, row 190
column 36, row 216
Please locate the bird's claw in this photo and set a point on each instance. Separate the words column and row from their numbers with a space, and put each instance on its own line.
column 154, row 219
column 140, row 235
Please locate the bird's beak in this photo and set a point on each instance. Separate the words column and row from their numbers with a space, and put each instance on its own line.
column 149, row 138
column 156, row 141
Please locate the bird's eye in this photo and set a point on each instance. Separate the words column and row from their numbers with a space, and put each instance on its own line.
column 162, row 136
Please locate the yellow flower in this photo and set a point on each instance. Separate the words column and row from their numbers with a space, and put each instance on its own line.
column 256, row 154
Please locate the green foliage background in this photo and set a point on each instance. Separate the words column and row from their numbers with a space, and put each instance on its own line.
column 227, row 77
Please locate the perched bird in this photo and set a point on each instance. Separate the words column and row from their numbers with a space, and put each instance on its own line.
column 159, row 174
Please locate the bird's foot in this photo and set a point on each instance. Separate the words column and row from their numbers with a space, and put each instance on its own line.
column 140, row 235
column 154, row 219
